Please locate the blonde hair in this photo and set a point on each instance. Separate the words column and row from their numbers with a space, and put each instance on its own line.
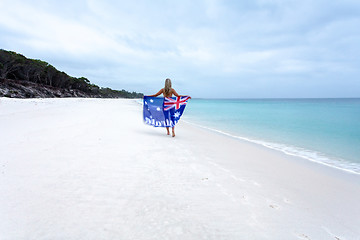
column 167, row 87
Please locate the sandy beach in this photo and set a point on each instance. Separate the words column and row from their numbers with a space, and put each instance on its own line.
column 90, row 169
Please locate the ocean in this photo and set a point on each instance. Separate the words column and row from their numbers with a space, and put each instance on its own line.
column 326, row 131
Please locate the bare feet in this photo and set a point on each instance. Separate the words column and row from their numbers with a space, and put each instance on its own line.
column 173, row 134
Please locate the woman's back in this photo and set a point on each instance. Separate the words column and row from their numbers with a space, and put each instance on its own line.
column 168, row 94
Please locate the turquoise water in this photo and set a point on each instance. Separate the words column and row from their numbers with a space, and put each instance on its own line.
column 321, row 130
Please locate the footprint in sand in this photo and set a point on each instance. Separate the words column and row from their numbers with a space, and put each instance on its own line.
column 303, row 236
column 330, row 233
column 274, row 206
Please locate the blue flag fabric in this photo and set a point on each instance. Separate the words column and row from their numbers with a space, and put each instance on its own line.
column 163, row 112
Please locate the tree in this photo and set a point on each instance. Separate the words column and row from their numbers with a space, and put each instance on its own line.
column 9, row 63
column 50, row 72
column 15, row 66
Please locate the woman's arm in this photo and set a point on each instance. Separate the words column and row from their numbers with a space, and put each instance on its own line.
column 175, row 93
column 157, row 94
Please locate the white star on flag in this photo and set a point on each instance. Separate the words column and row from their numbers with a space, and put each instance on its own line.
column 176, row 114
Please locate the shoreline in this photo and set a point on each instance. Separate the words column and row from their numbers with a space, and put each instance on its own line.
column 328, row 162
column 290, row 157
column 90, row 168
column 305, row 128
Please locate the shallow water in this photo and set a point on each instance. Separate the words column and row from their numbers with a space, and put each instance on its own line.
column 321, row 130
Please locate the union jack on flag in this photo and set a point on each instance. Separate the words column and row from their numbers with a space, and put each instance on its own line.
column 175, row 103
column 163, row 112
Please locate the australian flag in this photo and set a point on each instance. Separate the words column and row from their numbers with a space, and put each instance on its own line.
column 163, row 112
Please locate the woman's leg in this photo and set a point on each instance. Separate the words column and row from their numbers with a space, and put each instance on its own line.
column 173, row 131
column 167, row 129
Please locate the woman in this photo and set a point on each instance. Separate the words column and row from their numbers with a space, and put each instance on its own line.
column 167, row 91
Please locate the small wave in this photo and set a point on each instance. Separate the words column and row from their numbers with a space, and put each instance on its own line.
column 313, row 156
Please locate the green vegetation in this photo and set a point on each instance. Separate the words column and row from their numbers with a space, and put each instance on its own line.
column 15, row 66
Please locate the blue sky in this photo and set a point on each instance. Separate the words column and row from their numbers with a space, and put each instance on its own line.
column 221, row 49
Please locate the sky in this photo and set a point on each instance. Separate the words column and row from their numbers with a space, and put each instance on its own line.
column 208, row 48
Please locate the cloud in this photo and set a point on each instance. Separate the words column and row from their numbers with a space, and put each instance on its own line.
column 137, row 44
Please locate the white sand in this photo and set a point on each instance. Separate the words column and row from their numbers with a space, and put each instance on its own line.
column 90, row 169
